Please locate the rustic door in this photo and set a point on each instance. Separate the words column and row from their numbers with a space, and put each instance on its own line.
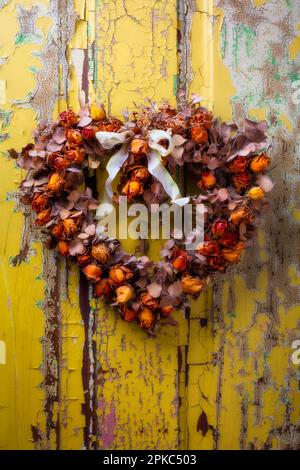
column 224, row 377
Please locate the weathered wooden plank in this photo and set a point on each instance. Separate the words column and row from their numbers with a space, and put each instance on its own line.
column 240, row 370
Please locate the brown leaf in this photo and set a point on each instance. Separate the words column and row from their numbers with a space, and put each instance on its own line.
column 202, row 424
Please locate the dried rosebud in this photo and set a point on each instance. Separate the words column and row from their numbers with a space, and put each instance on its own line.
column 199, row 135
column 230, row 238
column 97, row 112
column 209, row 247
column 260, row 163
column 202, row 118
column 241, row 181
column 119, row 274
column 128, row 314
column 219, row 227
column 256, row 193
column 138, row 146
column 233, row 254
column 132, row 189
column 58, row 162
column 217, row 263
column 149, row 301
column 84, row 259
column 89, row 132
column 102, row 288
column 238, row 165
column 70, row 227
column 101, row 253
column 73, row 136
column 56, row 183
column 68, row 118
column 110, row 125
column 192, row 285
column 167, row 310
column 75, row 155
column 208, row 180
column 92, row 272
column 63, row 248
column 179, row 260
column 40, row 202
column 146, row 318
column 242, row 214
column 57, row 230
column 139, row 173
column 124, row 294
column 43, row 217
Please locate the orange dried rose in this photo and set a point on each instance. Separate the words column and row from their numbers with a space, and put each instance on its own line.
column 63, row 248
column 75, row 155
column 217, row 263
column 179, row 260
column 202, row 118
column 242, row 214
column 199, row 135
column 43, row 217
column 57, row 161
column 241, row 181
column 118, row 274
column 167, row 310
column 233, row 254
column 40, row 202
column 56, row 183
column 68, row 118
column 148, row 300
column 132, row 189
column 97, row 112
column 260, row 163
column 146, row 318
column 124, row 294
column 84, row 259
column 92, row 272
column 57, row 230
column 139, row 173
column 101, row 253
column 138, row 146
column 208, row 180
column 102, row 288
column 191, row 285
column 256, row 193
column 238, row 165
column 73, row 136
column 209, row 247
column 70, row 226
column 219, row 227
column 110, row 125
column 128, row 314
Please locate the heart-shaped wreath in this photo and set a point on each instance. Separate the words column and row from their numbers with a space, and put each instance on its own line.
column 228, row 165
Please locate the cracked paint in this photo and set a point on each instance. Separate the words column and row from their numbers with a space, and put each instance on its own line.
column 77, row 376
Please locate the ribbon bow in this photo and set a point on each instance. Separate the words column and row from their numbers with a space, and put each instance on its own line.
column 155, row 166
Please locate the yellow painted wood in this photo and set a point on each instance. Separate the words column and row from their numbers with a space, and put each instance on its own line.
column 235, row 352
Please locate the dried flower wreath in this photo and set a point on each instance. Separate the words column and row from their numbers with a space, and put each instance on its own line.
column 228, row 165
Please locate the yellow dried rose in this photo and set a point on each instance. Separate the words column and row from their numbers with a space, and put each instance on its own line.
column 124, row 294
column 146, row 318
column 56, row 183
column 191, row 285
column 101, row 253
column 256, row 193
column 132, row 189
column 97, row 112
column 233, row 254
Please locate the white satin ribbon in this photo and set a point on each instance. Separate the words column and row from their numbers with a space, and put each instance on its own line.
column 155, row 166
